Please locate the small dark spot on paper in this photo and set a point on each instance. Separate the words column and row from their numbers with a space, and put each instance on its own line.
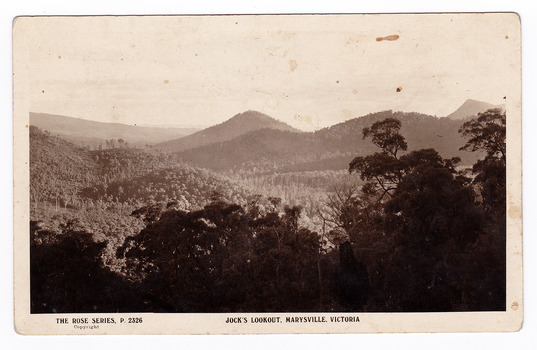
column 337, row 81
column 507, row 36
column 399, row 89
column 26, row 125
column 59, row 57
column 43, row 91
column 388, row 38
column 505, row 97
column 166, row 81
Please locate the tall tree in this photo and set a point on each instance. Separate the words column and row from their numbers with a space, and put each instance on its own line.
column 486, row 133
column 427, row 223
column 385, row 135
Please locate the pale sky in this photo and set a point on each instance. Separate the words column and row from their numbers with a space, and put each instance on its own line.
column 308, row 71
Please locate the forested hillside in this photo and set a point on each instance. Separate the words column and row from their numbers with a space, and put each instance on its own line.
column 271, row 150
column 402, row 228
column 238, row 125
column 60, row 170
column 96, row 191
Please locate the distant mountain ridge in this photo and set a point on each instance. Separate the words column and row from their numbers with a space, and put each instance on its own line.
column 91, row 133
column 255, row 142
column 471, row 108
column 238, row 125
column 332, row 148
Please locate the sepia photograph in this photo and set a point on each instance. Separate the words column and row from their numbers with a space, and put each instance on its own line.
column 267, row 173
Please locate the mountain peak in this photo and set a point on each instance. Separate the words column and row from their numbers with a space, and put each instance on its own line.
column 252, row 115
column 470, row 108
column 237, row 125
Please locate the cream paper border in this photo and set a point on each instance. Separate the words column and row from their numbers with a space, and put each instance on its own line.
column 510, row 320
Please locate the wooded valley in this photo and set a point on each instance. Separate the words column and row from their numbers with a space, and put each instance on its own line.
column 389, row 212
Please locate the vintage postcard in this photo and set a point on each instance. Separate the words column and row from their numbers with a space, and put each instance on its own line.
column 245, row 174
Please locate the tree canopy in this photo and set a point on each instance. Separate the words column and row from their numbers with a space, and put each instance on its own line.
column 486, row 133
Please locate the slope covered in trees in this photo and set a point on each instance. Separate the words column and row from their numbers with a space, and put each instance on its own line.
column 65, row 175
column 96, row 191
column 239, row 124
column 59, row 170
column 405, row 230
column 332, row 148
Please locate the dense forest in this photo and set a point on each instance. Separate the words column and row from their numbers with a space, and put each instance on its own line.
column 404, row 227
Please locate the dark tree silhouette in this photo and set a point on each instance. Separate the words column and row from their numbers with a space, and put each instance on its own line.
column 486, row 133
column 385, row 135
column 67, row 275
column 352, row 280
column 226, row 258
column 431, row 223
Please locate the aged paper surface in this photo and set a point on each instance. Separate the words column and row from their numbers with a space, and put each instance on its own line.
column 199, row 188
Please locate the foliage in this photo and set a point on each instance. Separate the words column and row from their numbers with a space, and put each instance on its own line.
column 125, row 229
column 429, row 225
column 226, row 258
column 67, row 275
column 486, row 133
column 385, row 135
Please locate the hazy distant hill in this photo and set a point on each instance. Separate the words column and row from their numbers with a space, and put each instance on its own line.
column 91, row 133
column 327, row 149
column 471, row 108
column 238, row 125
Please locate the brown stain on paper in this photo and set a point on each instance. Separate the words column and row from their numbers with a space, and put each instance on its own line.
column 303, row 118
column 292, row 65
column 388, row 38
column 515, row 212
